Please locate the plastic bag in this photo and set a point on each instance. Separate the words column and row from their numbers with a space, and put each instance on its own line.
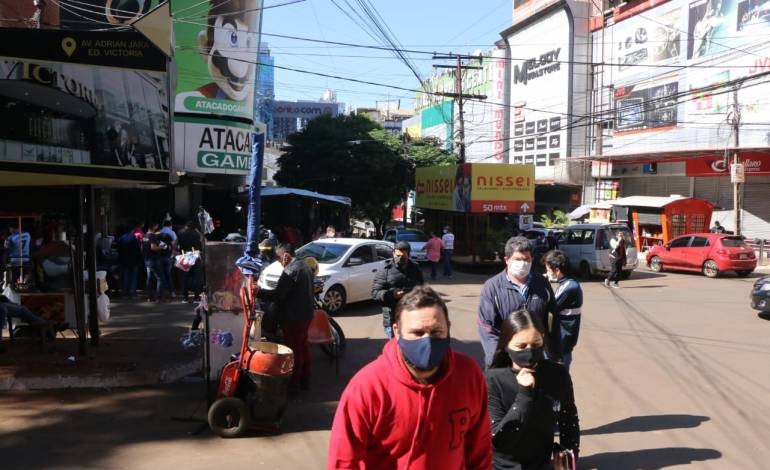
column 185, row 261
column 11, row 294
column 103, row 308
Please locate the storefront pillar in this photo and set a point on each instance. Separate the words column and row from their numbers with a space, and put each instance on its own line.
column 86, row 194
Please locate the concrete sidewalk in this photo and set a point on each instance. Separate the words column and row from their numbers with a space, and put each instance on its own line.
column 139, row 346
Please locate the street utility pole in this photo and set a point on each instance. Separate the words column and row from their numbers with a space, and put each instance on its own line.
column 737, row 174
column 458, row 94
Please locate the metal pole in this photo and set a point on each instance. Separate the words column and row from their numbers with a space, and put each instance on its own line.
column 90, row 248
column 408, row 179
column 737, row 196
column 459, row 91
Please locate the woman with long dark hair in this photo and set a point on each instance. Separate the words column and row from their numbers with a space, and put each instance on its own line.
column 529, row 397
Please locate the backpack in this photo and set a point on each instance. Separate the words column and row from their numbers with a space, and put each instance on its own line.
column 129, row 249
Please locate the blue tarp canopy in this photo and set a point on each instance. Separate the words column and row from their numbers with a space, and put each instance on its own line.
column 278, row 191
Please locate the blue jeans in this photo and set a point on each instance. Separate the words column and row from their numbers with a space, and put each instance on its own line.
column 163, row 273
column 8, row 309
column 129, row 277
column 191, row 281
column 569, row 329
column 447, row 254
column 151, row 282
column 433, row 265
column 157, row 284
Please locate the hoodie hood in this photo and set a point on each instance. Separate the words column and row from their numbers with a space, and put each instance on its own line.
column 395, row 361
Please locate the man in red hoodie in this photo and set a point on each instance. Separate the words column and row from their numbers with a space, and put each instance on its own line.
column 419, row 405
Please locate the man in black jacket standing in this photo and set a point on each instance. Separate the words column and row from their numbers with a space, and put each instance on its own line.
column 293, row 297
column 395, row 279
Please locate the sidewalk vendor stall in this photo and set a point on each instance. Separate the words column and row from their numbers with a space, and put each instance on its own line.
column 656, row 220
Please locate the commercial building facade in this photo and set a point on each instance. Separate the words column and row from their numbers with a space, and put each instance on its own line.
column 683, row 89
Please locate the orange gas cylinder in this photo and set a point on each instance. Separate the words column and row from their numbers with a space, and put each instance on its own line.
column 264, row 357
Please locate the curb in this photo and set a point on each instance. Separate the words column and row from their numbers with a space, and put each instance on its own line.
column 169, row 374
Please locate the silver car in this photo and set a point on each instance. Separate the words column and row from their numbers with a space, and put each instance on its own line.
column 416, row 239
column 588, row 248
column 347, row 267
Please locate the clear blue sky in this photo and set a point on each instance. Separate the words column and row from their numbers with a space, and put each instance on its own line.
column 430, row 25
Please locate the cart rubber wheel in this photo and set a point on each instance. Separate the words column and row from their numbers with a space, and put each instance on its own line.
column 336, row 349
column 229, row 417
column 334, row 299
column 585, row 270
column 710, row 268
column 656, row 265
column 742, row 273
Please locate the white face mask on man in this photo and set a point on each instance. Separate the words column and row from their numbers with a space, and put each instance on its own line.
column 518, row 268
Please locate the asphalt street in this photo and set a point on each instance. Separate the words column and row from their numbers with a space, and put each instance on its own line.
column 671, row 372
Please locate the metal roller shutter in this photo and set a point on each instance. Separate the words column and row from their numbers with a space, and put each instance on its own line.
column 756, row 208
column 656, row 186
column 677, row 185
column 718, row 190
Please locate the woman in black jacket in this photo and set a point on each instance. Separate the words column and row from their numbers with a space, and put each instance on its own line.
column 529, row 396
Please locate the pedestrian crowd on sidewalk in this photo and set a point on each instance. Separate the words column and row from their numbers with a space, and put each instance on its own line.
column 172, row 262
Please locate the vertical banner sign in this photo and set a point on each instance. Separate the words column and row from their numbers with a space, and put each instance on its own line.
column 216, row 56
column 255, row 183
column 502, row 188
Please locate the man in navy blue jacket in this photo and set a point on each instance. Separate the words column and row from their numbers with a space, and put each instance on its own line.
column 569, row 303
column 511, row 290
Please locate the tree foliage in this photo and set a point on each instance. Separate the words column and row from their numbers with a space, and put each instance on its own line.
column 355, row 157
column 557, row 219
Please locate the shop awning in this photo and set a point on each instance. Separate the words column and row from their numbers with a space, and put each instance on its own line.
column 268, row 192
column 645, row 201
column 580, row 212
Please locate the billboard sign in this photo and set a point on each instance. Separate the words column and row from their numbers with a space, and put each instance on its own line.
column 716, row 165
column 213, row 145
column 69, row 114
column 500, row 188
column 477, row 188
column 128, row 50
column 304, row 109
column 540, row 115
column 436, row 187
column 646, row 106
column 216, row 44
column 644, row 40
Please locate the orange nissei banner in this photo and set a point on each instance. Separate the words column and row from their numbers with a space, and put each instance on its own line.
column 503, row 188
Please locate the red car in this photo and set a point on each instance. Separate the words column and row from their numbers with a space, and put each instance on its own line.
column 710, row 253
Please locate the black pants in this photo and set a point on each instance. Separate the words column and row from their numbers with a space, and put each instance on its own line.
column 617, row 268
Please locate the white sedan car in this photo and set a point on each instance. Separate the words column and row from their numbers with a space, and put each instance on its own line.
column 347, row 267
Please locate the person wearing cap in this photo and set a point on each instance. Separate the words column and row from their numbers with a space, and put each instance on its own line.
column 397, row 277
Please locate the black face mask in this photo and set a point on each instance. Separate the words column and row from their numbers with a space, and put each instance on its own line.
column 400, row 261
column 527, row 358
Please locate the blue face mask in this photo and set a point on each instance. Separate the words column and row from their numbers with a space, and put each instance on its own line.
column 425, row 353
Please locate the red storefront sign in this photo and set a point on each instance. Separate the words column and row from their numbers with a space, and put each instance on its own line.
column 754, row 163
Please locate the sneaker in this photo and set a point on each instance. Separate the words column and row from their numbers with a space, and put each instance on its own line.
column 615, row 286
column 606, row 283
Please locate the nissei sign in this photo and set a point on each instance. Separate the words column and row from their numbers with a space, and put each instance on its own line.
column 502, row 188
column 208, row 146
